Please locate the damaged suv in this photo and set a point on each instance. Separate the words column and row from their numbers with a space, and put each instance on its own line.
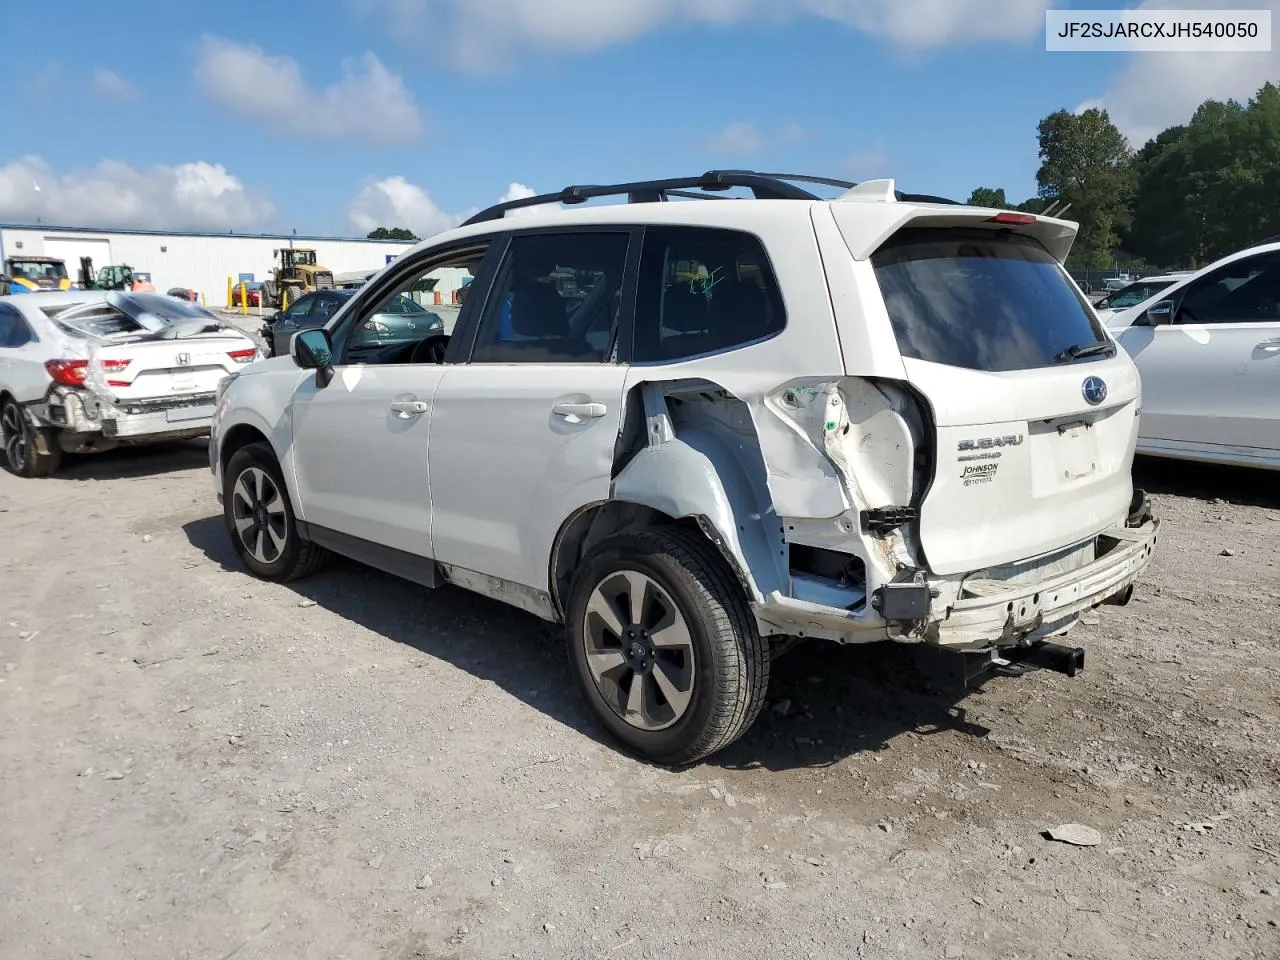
column 694, row 432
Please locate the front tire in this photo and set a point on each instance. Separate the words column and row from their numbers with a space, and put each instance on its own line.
column 28, row 452
column 260, row 521
column 664, row 646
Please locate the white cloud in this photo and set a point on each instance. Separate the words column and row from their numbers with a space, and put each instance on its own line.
column 482, row 34
column 197, row 196
column 742, row 139
column 395, row 202
column 871, row 163
column 109, row 85
column 369, row 103
column 1158, row 90
column 738, row 139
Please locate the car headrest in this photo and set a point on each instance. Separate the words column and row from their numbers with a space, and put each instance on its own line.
column 537, row 310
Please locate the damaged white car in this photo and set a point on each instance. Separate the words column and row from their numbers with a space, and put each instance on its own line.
column 694, row 431
column 82, row 372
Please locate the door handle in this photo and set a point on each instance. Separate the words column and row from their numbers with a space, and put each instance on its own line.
column 407, row 409
column 587, row 411
column 1269, row 346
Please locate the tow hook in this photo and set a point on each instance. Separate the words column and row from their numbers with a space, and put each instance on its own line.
column 1048, row 656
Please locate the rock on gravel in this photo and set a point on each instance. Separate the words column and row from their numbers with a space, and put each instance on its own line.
column 1076, row 834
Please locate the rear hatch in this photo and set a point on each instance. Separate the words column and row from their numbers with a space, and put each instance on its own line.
column 143, row 347
column 1034, row 407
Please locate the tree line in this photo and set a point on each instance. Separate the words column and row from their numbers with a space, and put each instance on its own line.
column 1190, row 195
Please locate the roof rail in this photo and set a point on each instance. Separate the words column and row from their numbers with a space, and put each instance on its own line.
column 763, row 186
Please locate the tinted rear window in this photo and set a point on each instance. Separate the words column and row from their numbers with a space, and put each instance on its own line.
column 983, row 301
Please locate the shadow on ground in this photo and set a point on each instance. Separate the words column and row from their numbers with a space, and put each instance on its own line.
column 844, row 700
column 135, row 463
column 1208, row 481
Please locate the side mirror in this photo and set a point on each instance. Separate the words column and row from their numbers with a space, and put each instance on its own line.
column 312, row 350
column 1158, row 314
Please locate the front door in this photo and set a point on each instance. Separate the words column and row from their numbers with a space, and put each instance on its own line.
column 360, row 441
column 1212, row 376
column 523, row 433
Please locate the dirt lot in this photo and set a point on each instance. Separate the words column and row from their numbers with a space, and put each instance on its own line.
column 195, row 764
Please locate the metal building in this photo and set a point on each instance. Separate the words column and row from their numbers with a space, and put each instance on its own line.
column 195, row 261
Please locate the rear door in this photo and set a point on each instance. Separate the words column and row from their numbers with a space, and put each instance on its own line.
column 523, row 433
column 1211, row 378
column 1035, row 408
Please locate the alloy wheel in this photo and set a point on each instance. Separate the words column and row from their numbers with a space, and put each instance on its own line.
column 639, row 650
column 257, row 509
column 13, row 431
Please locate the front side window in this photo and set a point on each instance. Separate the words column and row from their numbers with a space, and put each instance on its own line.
column 556, row 299
column 983, row 300
column 300, row 310
column 703, row 291
column 1247, row 291
column 403, row 323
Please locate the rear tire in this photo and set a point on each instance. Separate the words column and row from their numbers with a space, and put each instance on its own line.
column 260, row 521
column 295, row 294
column 659, row 608
column 28, row 451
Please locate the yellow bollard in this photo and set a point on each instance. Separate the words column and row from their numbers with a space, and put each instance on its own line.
column 284, row 300
column 229, row 304
column 244, row 301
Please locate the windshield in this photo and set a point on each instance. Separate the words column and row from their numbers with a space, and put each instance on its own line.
column 981, row 300
column 37, row 270
column 1133, row 294
column 300, row 257
column 402, row 304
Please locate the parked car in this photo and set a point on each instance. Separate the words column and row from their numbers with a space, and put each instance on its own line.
column 1135, row 293
column 1208, row 348
column 86, row 371
column 252, row 294
column 878, row 417
column 401, row 321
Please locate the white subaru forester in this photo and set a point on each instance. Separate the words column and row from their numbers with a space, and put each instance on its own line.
column 696, row 431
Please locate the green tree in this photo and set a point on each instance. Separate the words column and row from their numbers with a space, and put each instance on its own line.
column 989, row 197
column 1211, row 187
column 395, row 233
column 1085, row 161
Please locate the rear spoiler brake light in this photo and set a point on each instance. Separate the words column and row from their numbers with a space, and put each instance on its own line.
column 1013, row 218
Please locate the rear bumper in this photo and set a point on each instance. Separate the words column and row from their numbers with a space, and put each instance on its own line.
column 966, row 614
column 84, row 412
column 1003, row 614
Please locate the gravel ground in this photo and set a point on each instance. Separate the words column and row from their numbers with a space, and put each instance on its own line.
column 199, row 765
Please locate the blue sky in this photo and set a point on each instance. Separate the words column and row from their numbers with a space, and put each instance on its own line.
column 413, row 112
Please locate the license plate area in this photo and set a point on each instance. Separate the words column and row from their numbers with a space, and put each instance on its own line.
column 179, row 414
column 1076, row 451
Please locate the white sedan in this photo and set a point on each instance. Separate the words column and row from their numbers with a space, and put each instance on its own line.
column 85, row 371
column 1208, row 349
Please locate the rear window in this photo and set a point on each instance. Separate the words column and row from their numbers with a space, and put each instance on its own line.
column 93, row 319
column 982, row 301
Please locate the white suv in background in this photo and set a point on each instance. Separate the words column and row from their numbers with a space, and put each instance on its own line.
column 693, row 431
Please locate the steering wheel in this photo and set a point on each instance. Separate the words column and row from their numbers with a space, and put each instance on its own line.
column 430, row 350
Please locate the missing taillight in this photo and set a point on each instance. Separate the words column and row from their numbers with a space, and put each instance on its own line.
column 243, row 356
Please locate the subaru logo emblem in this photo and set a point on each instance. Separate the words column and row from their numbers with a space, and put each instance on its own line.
column 1094, row 390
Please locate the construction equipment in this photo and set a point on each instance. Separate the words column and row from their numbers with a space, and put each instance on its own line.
column 114, row 277
column 29, row 274
column 297, row 274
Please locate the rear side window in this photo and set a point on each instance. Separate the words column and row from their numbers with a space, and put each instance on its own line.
column 982, row 301
column 703, row 291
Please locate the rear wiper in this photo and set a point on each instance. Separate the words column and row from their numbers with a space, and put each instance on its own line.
column 1081, row 350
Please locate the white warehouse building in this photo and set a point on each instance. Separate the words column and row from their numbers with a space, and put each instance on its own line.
column 196, row 261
